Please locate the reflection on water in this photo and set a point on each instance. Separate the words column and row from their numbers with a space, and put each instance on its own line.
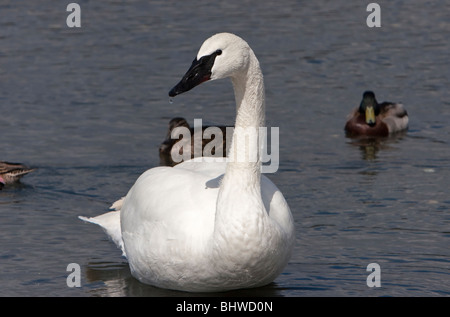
column 115, row 279
column 108, row 279
column 370, row 147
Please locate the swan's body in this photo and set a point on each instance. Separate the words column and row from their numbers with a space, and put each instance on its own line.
column 203, row 226
column 174, row 146
column 376, row 120
column 12, row 172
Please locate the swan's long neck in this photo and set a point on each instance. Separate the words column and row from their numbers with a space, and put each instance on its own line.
column 239, row 200
column 244, row 154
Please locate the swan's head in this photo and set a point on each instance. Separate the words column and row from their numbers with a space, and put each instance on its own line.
column 222, row 55
column 369, row 107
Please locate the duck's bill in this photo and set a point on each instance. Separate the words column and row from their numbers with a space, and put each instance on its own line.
column 370, row 115
column 199, row 72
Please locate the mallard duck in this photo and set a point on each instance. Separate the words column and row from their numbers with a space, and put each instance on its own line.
column 376, row 119
column 174, row 146
column 12, row 172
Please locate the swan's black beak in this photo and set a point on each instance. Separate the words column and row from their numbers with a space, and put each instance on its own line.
column 199, row 72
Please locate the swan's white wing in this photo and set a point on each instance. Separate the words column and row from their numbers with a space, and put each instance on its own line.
column 171, row 204
column 163, row 203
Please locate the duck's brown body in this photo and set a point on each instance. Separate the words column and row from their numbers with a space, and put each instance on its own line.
column 387, row 118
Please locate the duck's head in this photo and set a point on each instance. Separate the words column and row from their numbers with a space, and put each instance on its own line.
column 177, row 122
column 369, row 107
column 220, row 56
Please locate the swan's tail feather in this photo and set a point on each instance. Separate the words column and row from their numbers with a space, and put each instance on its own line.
column 110, row 222
column 117, row 205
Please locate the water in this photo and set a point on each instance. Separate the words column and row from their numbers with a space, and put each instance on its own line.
column 89, row 107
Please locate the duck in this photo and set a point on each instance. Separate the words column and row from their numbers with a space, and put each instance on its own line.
column 11, row 173
column 171, row 149
column 209, row 226
column 373, row 119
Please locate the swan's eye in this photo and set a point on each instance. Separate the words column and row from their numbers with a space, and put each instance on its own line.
column 219, row 52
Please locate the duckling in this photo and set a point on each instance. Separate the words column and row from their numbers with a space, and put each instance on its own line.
column 12, row 172
column 376, row 120
column 170, row 144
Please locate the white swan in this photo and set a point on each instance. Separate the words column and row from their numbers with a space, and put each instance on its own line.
column 202, row 226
